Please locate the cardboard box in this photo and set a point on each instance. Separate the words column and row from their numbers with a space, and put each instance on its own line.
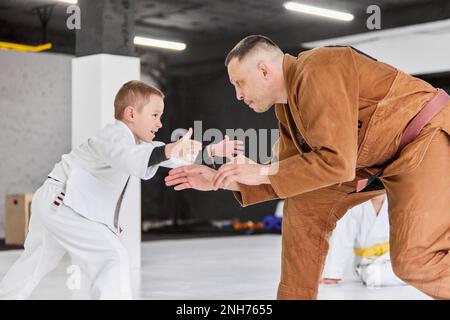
column 17, row 216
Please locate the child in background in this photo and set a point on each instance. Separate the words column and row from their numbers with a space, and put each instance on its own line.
column 363, row 232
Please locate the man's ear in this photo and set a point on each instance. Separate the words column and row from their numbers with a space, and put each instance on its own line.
column 262, row 66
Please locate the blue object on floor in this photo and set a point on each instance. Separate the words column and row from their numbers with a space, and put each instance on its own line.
column 272, row 223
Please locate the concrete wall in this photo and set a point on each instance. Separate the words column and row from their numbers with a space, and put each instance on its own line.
column 416, row 49
column 35, row 122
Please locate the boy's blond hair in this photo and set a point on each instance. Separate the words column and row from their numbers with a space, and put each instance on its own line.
column 134, row 93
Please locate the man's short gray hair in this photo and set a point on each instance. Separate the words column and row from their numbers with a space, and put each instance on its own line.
column 246, row 45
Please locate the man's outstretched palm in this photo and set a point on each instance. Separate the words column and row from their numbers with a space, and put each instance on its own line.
column 193, row 176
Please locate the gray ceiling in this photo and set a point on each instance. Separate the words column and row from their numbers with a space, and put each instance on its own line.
column 211, row 18
column 211, row 26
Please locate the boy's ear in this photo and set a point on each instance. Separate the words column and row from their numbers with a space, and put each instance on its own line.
column 128, row 114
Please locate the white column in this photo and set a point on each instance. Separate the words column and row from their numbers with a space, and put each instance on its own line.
column 95, row 82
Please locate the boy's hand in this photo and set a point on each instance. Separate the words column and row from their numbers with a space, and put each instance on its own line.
column 184, row 149
column 226, row 148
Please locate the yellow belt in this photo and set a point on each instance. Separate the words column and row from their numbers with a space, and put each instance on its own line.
column 375, row 250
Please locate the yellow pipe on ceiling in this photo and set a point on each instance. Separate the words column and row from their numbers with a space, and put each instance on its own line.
column 24, row 47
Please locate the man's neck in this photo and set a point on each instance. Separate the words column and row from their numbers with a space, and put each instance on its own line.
column 283, row 98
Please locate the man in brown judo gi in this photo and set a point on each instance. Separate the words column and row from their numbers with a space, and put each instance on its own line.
column 343, row 117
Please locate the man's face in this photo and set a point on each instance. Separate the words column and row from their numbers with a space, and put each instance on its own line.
column 148, row 119
column 251, row 83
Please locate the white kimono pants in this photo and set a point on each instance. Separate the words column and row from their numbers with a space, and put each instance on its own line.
column 55, row 230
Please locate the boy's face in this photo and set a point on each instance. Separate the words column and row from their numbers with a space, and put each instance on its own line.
column 147, row 121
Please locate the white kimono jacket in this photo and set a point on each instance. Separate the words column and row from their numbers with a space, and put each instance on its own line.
column 362, row 237
column 97, row 171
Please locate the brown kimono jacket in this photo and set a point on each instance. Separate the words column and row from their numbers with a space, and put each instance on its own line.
column 346, row 113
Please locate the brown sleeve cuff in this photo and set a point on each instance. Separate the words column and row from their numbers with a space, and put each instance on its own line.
column 249, row 195
column 277, row 186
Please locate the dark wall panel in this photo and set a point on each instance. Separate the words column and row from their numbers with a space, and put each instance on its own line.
column 209, row 98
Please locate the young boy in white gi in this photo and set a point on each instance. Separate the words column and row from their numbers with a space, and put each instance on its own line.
column 362, row 237
column 77, row 209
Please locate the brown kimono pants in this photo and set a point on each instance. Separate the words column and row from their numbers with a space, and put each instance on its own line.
column 419, row 215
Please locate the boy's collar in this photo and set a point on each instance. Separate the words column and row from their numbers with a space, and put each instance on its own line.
column 123, row 124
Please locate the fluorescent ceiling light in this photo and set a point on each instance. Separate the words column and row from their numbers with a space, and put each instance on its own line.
column 69, row 1
column 294, row 6
column 149, row 42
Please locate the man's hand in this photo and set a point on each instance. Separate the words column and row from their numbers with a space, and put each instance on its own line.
column 185, row 149
column 241, row 170
column 226, row 148
column 329, row 281
column 195, row 176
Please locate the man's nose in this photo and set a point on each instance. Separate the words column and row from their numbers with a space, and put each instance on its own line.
column 239, row 95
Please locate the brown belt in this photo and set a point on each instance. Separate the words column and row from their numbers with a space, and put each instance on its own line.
column 432, row 108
